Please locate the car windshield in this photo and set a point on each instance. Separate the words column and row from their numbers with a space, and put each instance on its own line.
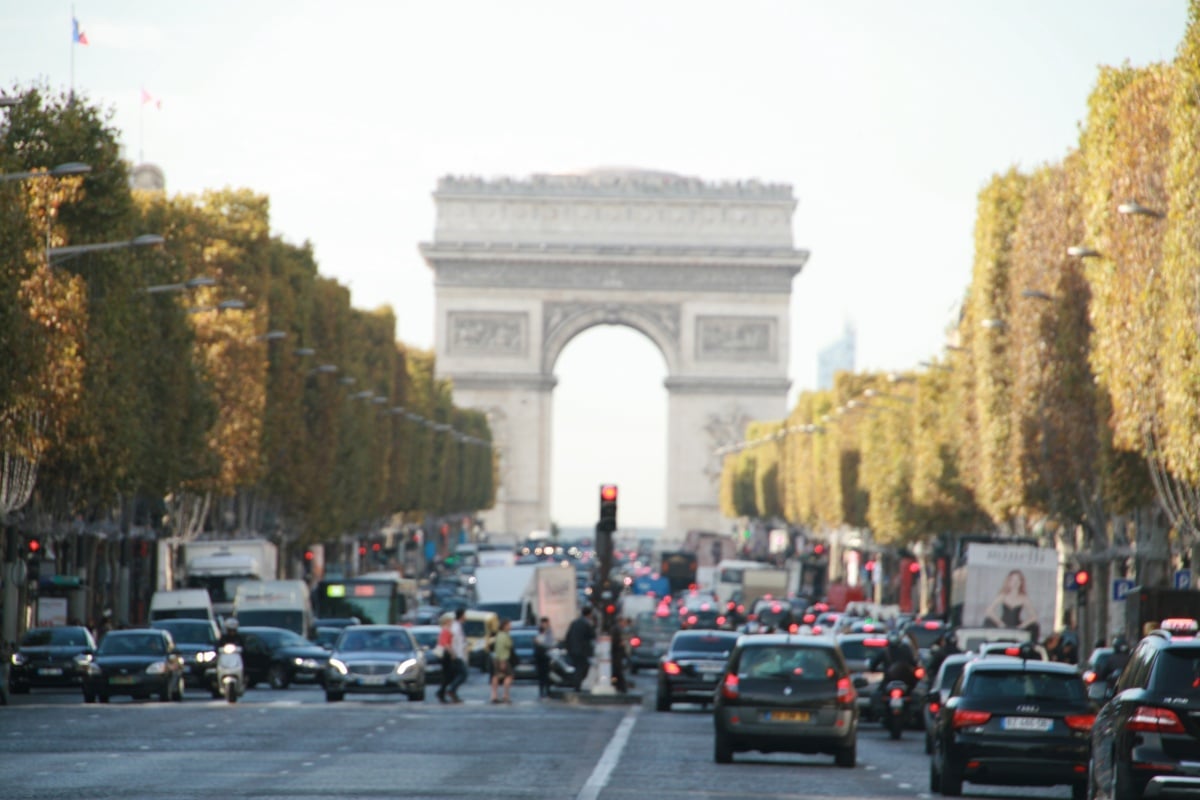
column 132, row 644
column 187, row 633
column 787, row 661
column 380, row 641
column 282, row 638
column 1178, row 672
column 1033, row 686
column 925, row 636
column 48, row 637
column 703, row 644
column 426, row 638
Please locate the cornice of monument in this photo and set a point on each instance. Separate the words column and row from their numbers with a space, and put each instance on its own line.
column 501, row 381
column 616, row 182
column 441, row 253
column 720, row 384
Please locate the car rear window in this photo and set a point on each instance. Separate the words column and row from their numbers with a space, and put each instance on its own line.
column 1032, row 686
column 949, row 673
column 788, row 661
column 652, row 623
column 860, row 650
column 1177, row 672
column 700, row 643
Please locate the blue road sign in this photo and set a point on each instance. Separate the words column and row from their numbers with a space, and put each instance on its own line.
column 1183, row 579
column 1120, row 588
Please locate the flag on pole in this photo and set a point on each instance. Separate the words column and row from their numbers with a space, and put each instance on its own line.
column 77, row 36
column 149, row 98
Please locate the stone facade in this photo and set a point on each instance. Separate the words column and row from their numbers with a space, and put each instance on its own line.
column 704, row 270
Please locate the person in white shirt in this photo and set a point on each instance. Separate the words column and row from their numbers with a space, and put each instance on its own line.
column 458, row 639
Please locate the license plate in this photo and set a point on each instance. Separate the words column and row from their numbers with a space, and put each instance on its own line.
column 896, row 703
column 50, row 671
column 787, row 716
column 373, row 680
column 1026, row 724
column 122, row 679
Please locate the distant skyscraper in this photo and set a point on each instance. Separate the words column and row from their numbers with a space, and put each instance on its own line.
column 836, row 357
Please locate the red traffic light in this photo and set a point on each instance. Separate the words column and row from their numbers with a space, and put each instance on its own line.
column 869, row 566
column 376, row 547
column 608, row 493
column 819, row 549
column 34, row 545
column 1082, row 577
column 309, row 555
column 362, row 549
column 914, row 567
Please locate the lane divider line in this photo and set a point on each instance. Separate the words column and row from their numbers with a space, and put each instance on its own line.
column 610, row 758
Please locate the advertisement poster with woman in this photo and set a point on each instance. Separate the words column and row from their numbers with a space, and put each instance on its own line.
column 1011, row 587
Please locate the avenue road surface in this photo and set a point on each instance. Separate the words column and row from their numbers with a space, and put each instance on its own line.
column 291, row 744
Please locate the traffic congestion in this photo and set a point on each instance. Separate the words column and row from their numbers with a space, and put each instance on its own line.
column 780, row 675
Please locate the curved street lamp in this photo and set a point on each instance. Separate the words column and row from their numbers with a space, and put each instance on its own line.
column 61, row 171
column 179, row 287
column 57, row 255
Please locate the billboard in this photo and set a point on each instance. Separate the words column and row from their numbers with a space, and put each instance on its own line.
column 1011, row 586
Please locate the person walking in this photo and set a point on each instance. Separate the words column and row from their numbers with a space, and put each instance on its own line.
column 543, row 643
column 446, row 646
column 581, row 638
column 458, row 640
column 502, row 666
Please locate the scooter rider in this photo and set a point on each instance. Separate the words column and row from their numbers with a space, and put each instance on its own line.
column 901, row 665
column 230, row 635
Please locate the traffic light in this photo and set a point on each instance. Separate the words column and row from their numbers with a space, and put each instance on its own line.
column 309, row 558
column 32, row 549
column 1081, row 582
column 608, row 508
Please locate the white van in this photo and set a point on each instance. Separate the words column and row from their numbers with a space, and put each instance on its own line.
column 181, row 604
column 275, row 604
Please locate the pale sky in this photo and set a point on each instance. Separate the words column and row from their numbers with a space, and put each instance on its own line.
column 885, row 117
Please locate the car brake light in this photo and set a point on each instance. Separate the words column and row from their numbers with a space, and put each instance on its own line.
column 1012, row 651
column 874, row 642
column 1089, row 676
column 1080, row 722
column 845, row 692
column 932, row 626
column 966, row 718
column 793, row 628
column 1149, row 719
column 730, row 606
column 691, row 620
column 671, row 668
column 720, row 620
column 816, row 629
column 919, row 672
column 776, row 608
column 635, row 642
column 934, row 707
column 729, row 689
column 809, row 619
column 897, row 693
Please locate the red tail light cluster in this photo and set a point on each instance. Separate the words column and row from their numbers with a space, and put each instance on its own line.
column 636, row 641
column 1080, row 722
column 1149, row 719
column 897, row 693
column 964, row 718
column 671, row 668
column 845, row 692
column 1089, row 676
column 919, row 672
column 729, row 688
column 935, row 707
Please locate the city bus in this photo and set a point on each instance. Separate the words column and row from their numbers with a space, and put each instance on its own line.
column 375, row 598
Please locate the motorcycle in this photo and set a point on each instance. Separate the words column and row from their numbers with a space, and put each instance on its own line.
column 562, row 673
column 230, row 678
column 896, row 707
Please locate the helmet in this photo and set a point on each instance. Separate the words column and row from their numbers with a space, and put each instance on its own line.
column 1119, row 644
column 231, row 625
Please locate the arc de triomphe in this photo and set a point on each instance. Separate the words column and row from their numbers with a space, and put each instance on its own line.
column 704, row 270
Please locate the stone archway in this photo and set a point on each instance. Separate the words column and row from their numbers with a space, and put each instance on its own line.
column 704, row 270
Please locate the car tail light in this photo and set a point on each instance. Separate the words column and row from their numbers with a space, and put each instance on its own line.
column 845, row 692
column 691, row 620
column 1080, row 722
column 741, row 609
column 1012, row 651
column 730, row 606
column 1149, row 719
column 720, row 620
column 809, row 619
column 874, row 642
column 966, row 718
column 635, row 642
column 816, row 629
column 919, row 672
column 793, row 628
column 932, row 626
column 776, row 608
column 1089, row 676
column 934, row 707
column 729, row 688
column 897, row 693
column 671, row 668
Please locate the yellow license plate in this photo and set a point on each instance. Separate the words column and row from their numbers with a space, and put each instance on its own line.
column 788, row 716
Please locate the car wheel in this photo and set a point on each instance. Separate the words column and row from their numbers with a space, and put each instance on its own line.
column 18, row 688
column 278, row 677
column 102, row 698
column 1120, row 783
column 166, row 694
column 935, row 777
column 928, row 743
column 179, row 691
column 1079, row 791
column 662, row 698
column 89, row 697
column 847, row 757
column 417, row 696
column 216, row 693
column 722, row 748
column 334, row 697
column 952, row 779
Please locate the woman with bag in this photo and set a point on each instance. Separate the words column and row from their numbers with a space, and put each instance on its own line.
column 502, row 662
column 445, row 651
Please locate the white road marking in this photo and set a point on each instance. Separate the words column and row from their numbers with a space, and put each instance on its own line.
column 609, row 759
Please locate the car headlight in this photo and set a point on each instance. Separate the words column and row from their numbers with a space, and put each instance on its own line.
column 338, row 665
column 82, row 660
column 306, row 663
column 18, row 659
column 94, row 669
column 406, row 665
column 205, row 656
column 157, row 668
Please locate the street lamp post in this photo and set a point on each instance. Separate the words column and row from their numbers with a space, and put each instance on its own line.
column 59, row 255
column 61, row 171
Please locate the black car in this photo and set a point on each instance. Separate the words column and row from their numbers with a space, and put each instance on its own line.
column 525, row 665
column 931, row 692
column 1013, row 722
column 1151, row 725
column 649, row 637
column 375, row 659
column 692, row 667
column 139, row 662
column 281, row 657
column 789, row 694
column 865, row 654
column 47, row 657
column 196, row 640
